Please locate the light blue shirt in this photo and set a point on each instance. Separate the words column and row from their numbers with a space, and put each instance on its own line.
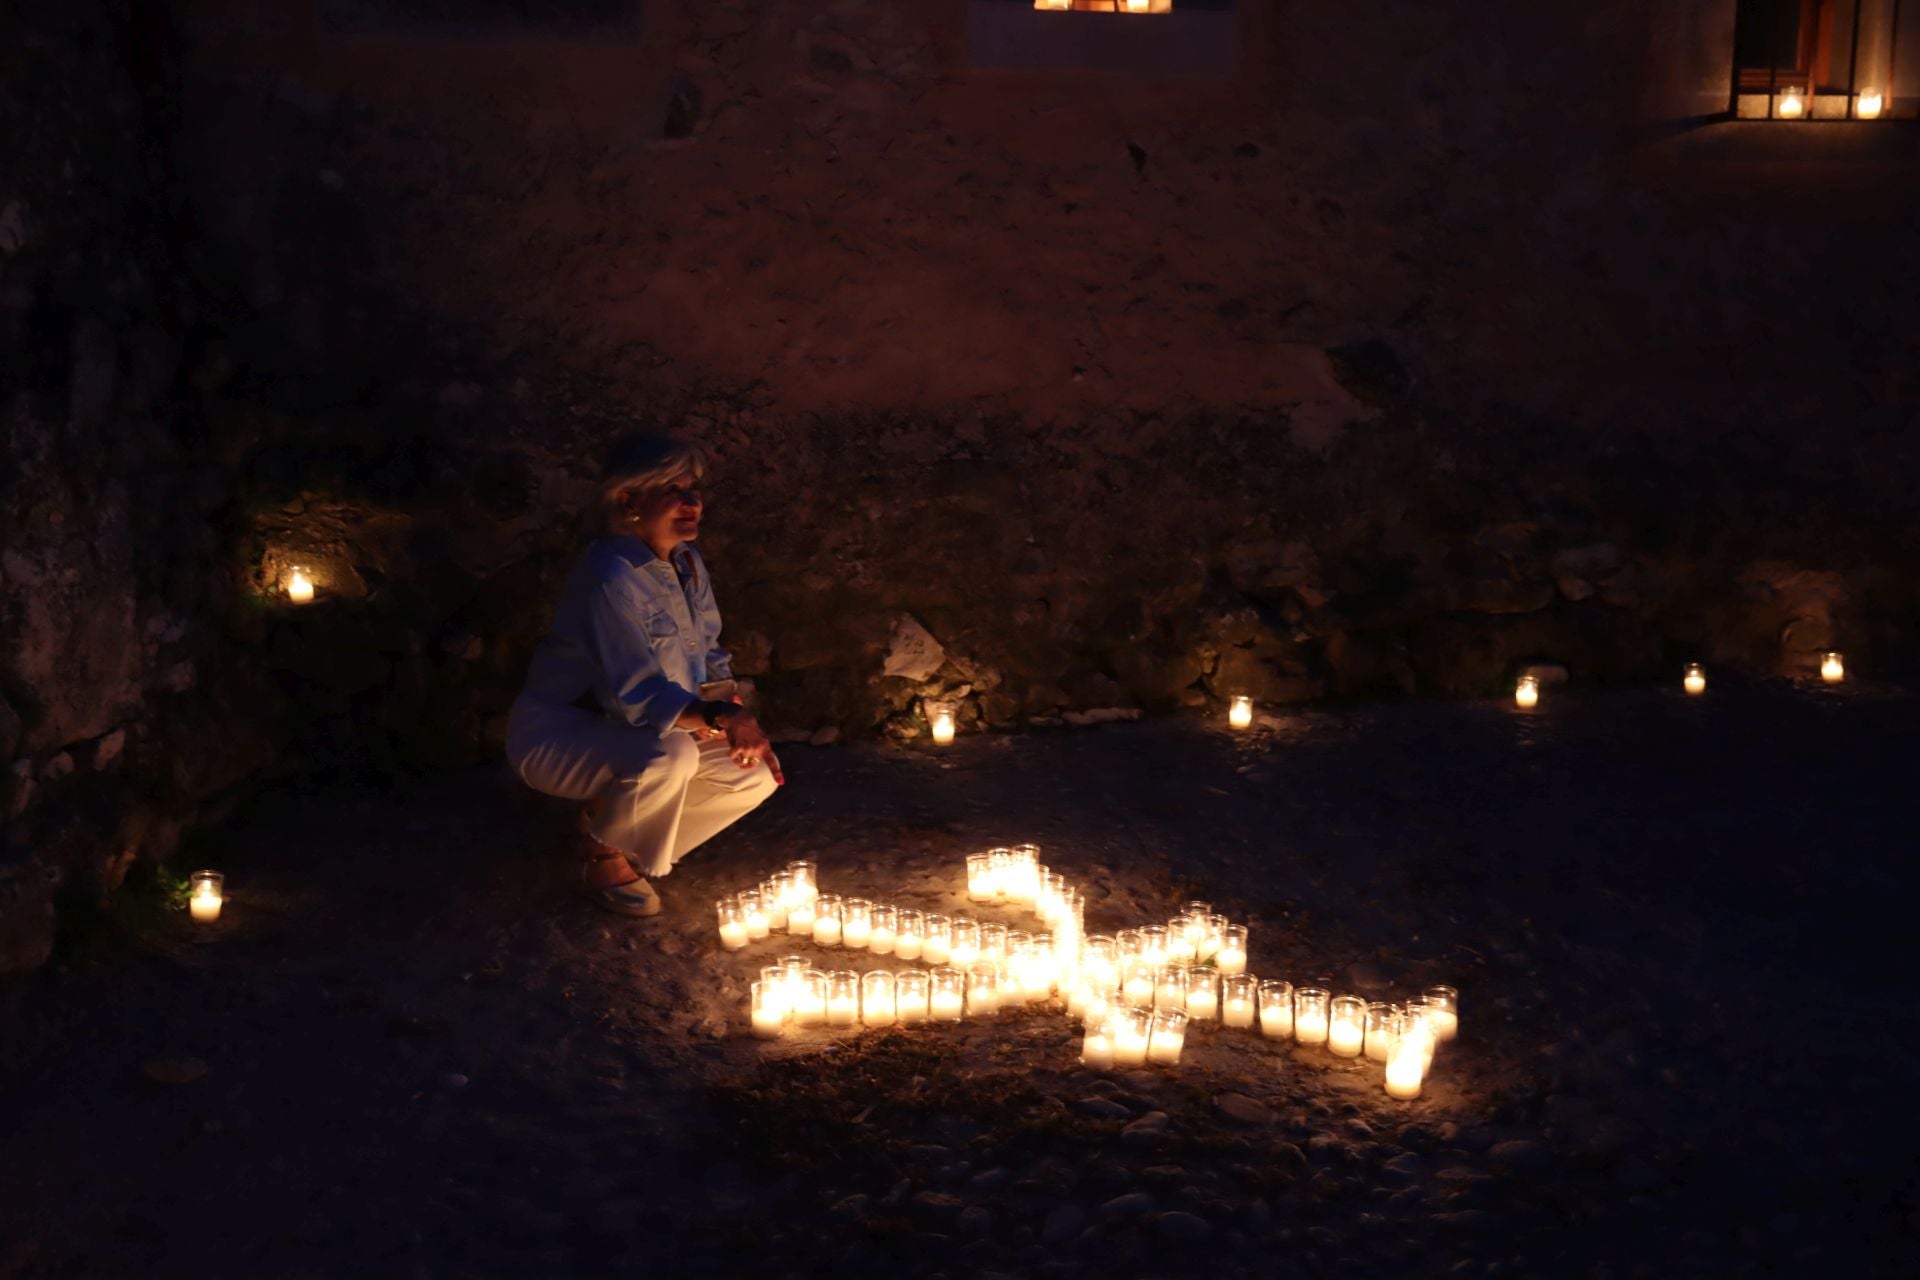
column 627, row 632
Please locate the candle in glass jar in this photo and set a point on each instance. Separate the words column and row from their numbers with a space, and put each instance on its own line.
column 1406, row 1067
column 910, row 987
column 754, row 908
column 1347, row 1026
column 1833, row 669
column 1096, row 1049
column 1169, row 1034
column 810, row 1005
column 1310, row 1015
column 826, row 920
column 856, row 923
column 886, row 927
column 733, row 923
column 1695, row 680
column 1203, row 995
column 983, row 989
column 936, row 946
column 940, row 720
column 206, row 892
column 948, row 994
column 1170, row 987
column 800, row 918
column 1131, row 1030
column 1383, row 1024
column 775, row 894
column 877, row 1006
column 1869, row 104
column 769, row 1009
column 911, row 935
column 1527, row 692
column 1153, row 944
column 1240, row 712
column 299, row 587
column 1232, row 955
column 980, row 877
column 1443, row 1012
column 1276, row 1010
column 964, row 946
column 843, row 998
column 1239, row 1000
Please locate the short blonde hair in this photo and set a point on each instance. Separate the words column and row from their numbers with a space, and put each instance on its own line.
column 646, row 461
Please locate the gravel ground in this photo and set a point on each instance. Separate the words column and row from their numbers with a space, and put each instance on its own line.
column 1679, row 928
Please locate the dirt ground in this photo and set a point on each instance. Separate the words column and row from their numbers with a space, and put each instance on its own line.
column 1678, row 927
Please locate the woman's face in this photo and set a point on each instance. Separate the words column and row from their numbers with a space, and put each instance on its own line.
column 663, row 518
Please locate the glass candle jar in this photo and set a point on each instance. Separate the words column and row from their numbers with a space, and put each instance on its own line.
column 1443, row 1009
column 1346, row 1026
column 1240, row 711
column 801, row 903
column 910, row 988
column 1018, row 959
column 886, row 928
column 1417, row 1028
column 1137, row 987
column 994, row 940
column 206, row 894
column 810, row 1009
column 940, row 722
column 1232, row 954
column 753, row 906
column 1527, row 692
column 1097, row 966
column 777, row 894
column 1310, row 1014
column 965, row 946
column 1096, row 1045
column 1240, row 1000
column 1024, row 876
column 1383, row 1026
column 1153, row 944
column 1833, row 668
column 1043, row 967
column 826, row 920
column 981, row 877
column 1695, row 679
column 733, row 922
column 1170, row 986
column 947, row 998
column 1207, row 940
column 1128, row 944
column 877, row 1005
column 1169, row 1036
column 1183, row 939
column 856, row 923
column 1132, row 1029
column 843, row 998
column 805, row 876
column 1052, row 898
column 983, row 989
column 1276, row 1009
column 769, row 1008
column 937, row 946
column 912, row 934
column 1203, row 994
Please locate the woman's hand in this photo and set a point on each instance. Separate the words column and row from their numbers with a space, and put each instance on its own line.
column 747, row 744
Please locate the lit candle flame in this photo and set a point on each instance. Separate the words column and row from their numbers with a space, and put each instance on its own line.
column 1832, row 668
column 1695, row 680
column 1869, row 105
column 1792, row 105
column 1527, row 692
column 299, row 587
column 1240, row 714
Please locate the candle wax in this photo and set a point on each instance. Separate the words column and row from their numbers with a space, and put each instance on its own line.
column 758, row 926
column 1234, row 961
column 826, row 931
column 1445, row 1022
column 1238, row 1013
column 1277, row 1021
column 841, row 1011
column 945, row 1006
column 205, row 907
column 1310, row 1028
column 1403, row 1076
column 1379, row 1045
column 878, row 1015
column 912, row 1012
column 935, row 951
column 767, row 1023
column 1344, row 1039
column 857, row 935
column 1202, row 1004
column 881, row 944
column 733, row 935
column 907, row 946
column 1165, row 1049
column 983, row 1001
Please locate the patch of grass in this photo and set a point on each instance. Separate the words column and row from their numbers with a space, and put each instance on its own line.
column 147, row 904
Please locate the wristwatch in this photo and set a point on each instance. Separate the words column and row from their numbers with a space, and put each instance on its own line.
column 714, row 712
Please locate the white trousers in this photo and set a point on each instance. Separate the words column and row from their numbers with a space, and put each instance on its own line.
column 660, row 797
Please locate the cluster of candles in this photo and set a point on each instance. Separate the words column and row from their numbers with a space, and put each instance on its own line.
column 1526, row 693
column 1135, row 991
column 1106, row 6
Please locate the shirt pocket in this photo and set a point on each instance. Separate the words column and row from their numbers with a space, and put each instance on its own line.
column 660, row 626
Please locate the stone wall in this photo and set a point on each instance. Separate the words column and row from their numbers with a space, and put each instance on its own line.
column 1418, row 350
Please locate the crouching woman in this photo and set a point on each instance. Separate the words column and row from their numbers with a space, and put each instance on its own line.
column 627, row 705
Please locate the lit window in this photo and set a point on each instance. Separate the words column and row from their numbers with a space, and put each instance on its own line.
column 1814, row 59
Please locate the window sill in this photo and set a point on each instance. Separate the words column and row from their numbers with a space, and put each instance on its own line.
column 1195, row 37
